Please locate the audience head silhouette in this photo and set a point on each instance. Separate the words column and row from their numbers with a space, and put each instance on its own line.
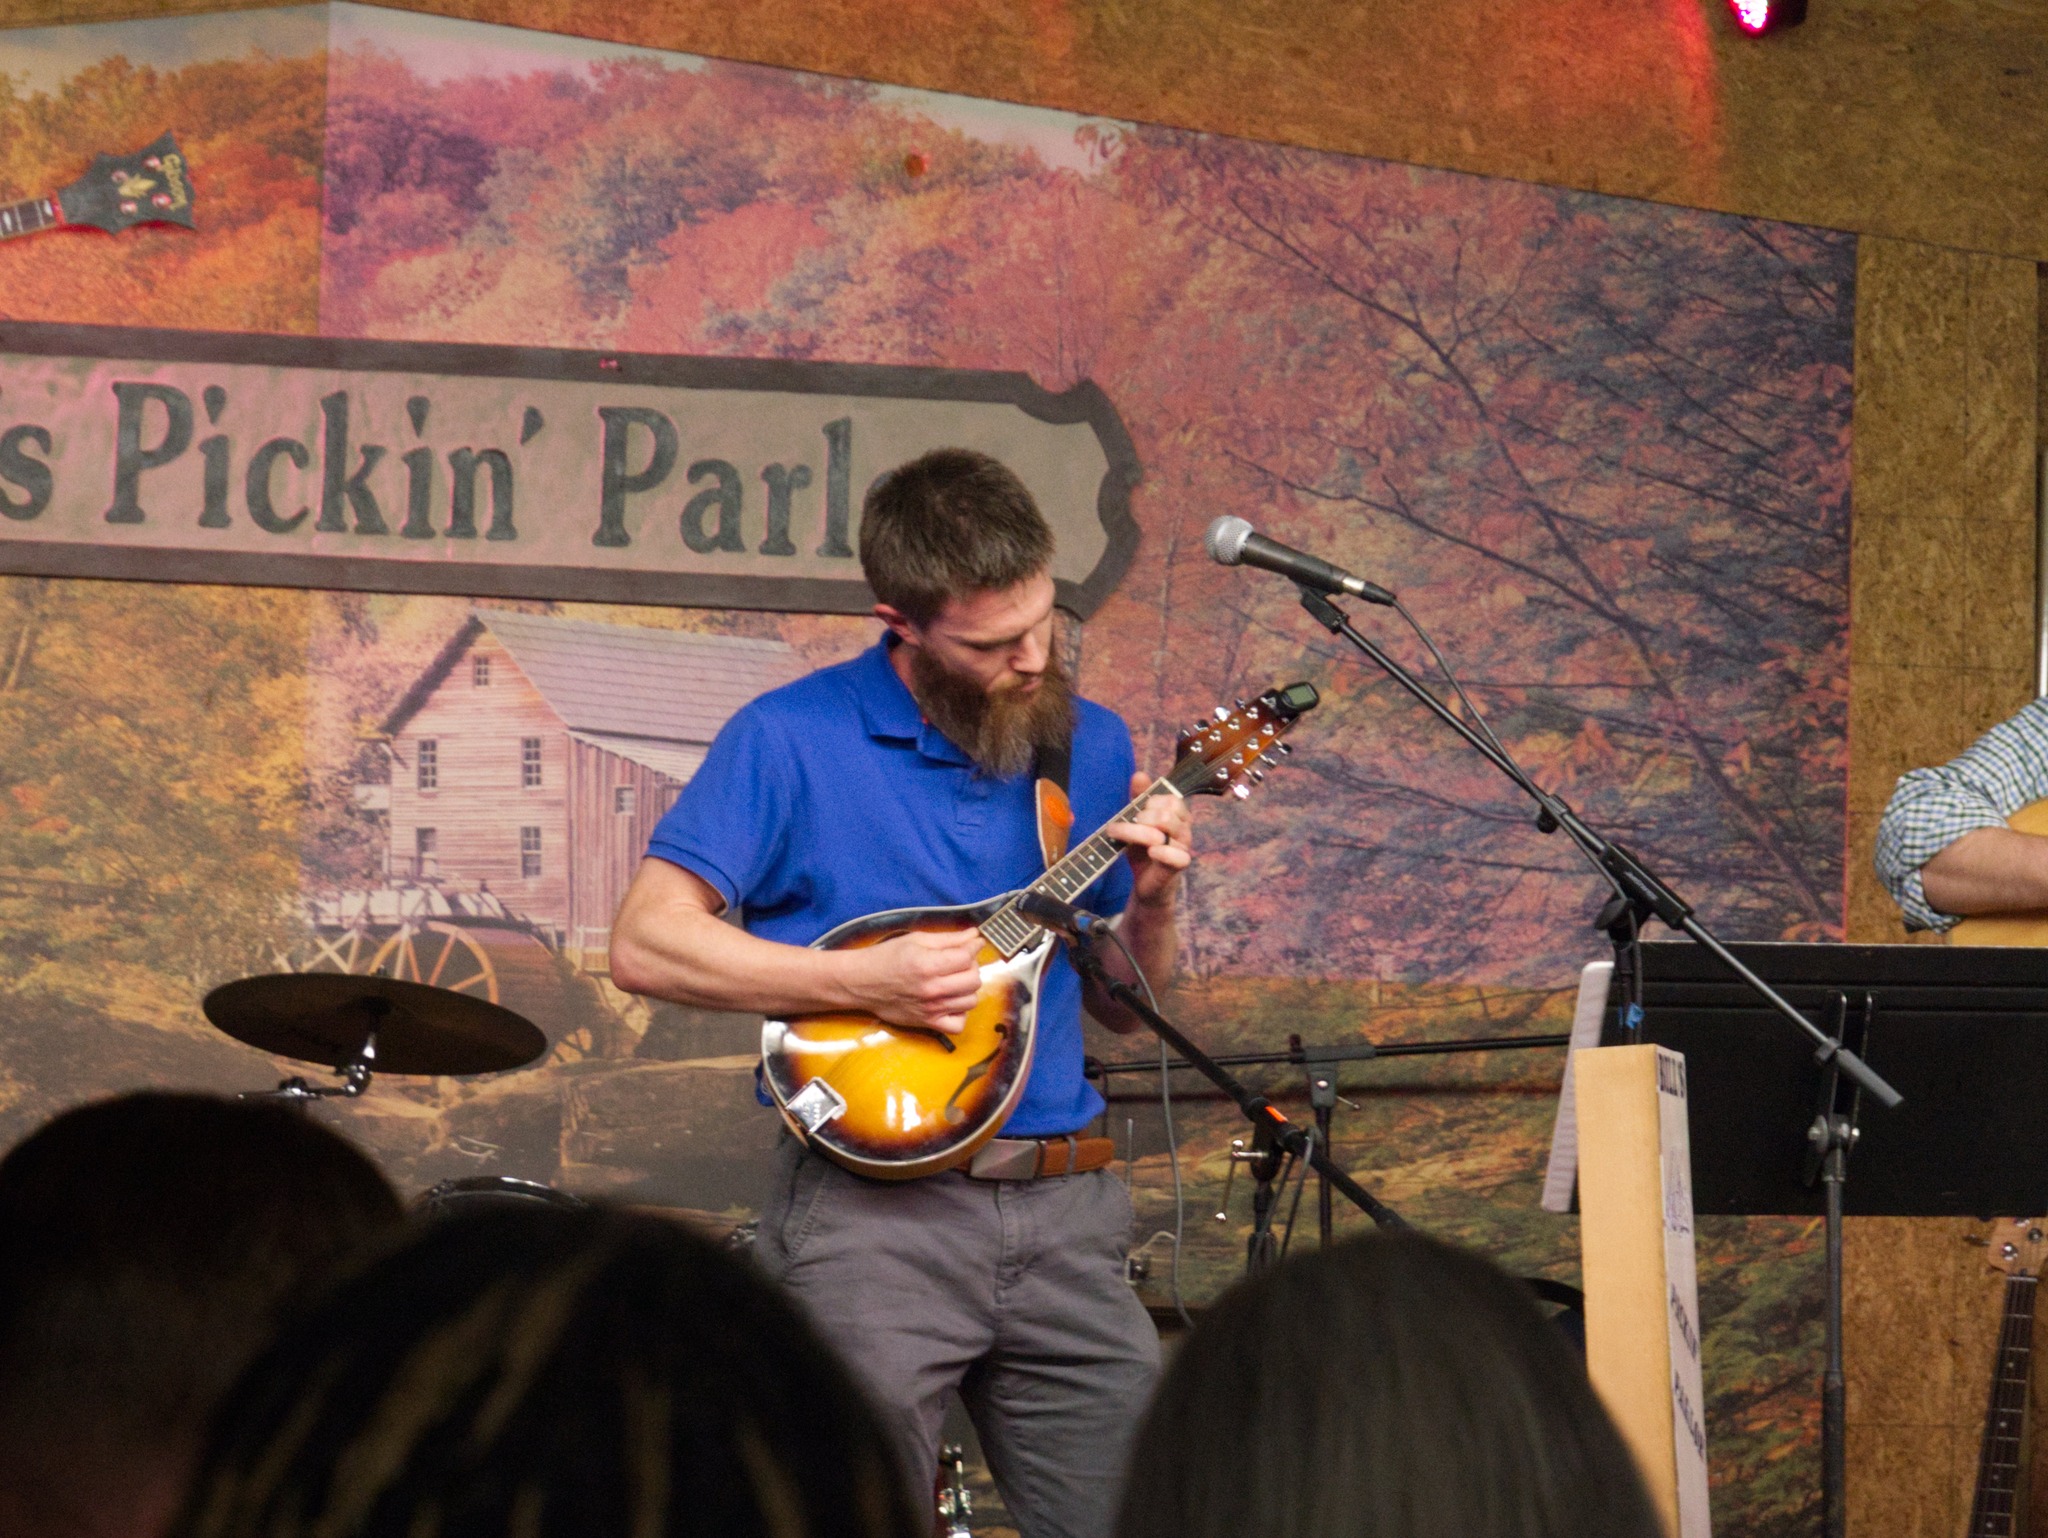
column 549, row 1373
column 148, row 1247
column 1390, row 1387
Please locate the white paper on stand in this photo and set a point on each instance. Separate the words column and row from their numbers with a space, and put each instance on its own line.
column 1681, row 1285
column 1561, row 1176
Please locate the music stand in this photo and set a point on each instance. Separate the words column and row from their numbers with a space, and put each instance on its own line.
column 1959, row 1031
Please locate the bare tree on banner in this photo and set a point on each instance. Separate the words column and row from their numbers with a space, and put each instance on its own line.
column 1586, row 448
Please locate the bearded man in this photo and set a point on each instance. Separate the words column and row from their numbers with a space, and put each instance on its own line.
column 904, row 779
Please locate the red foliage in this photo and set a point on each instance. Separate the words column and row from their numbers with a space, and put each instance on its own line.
column 1602, row 447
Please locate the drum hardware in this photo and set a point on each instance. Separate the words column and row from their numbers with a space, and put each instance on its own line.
column 472, row 1193
column 955, row 1504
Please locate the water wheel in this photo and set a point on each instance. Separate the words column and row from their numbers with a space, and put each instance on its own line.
column 503, row 963
column 345, row 950
column 441, row 956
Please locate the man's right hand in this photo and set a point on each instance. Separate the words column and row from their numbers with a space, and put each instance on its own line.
column 926, row 979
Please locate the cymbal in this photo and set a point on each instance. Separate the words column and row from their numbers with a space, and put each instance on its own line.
column 325, row 1017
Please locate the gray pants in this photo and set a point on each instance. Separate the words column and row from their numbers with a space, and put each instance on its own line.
column 1013, row 1292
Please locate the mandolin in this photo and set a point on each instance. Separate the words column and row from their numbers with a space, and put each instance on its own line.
column 1993, row 1511
column 150, row 186
column 895, row 1103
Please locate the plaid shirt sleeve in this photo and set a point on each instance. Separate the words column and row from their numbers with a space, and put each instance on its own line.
column 1931, row 808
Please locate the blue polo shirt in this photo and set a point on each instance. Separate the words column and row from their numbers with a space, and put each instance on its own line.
column 832, row 798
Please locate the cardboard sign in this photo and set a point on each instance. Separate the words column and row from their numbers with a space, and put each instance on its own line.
column 1642, row 1303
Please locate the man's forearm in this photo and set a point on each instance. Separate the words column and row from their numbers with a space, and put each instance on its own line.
column 1988, row 870
column 697, row 960
column 669, row 943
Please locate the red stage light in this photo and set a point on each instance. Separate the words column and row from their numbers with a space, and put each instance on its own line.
column 1760, row 16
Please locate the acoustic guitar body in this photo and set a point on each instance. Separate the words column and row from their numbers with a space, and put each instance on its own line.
column 2009, row 928
column 893, row 1103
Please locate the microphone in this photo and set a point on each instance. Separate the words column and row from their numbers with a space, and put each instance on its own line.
column 1233, row 542
column 1062, row 918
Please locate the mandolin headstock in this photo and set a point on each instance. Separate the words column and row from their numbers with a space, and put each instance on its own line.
column 1231, row 752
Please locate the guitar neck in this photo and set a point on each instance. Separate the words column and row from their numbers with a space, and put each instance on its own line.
column 1998, row 1465
column 1010, row 932
column 29, row 216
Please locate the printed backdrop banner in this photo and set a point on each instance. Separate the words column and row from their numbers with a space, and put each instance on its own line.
column 510, row 472
column 1600, row 447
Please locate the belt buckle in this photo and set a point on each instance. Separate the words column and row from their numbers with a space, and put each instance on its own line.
column 1005, row 1158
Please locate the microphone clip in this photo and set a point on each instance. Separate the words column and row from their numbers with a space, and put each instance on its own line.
column 1075, row 925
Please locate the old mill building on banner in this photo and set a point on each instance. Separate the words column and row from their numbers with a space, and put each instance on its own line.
column 533, row 757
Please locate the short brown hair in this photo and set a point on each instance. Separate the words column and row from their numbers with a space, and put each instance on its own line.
column 954, row 521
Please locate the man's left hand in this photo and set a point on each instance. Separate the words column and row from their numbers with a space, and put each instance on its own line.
column 1159, row 842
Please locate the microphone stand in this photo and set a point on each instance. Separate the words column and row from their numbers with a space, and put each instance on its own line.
column 1271, row 1130
column 1639, row 897
column 1644, row 894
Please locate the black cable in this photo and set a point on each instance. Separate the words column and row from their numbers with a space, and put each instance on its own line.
column 1478, row 721
column 1180, row 1204
column 1521, row 776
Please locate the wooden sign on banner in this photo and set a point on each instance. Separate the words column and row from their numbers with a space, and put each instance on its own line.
column 1642, row 1295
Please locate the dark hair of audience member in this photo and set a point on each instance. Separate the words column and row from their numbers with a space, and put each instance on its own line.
column 149, row 1245
column 1390, row 1387
column 548, row 1373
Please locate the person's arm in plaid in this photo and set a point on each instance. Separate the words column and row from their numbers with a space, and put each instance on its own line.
column 1943, row 848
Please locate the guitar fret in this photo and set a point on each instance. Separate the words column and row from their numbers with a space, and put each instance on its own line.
column 1991, row 1512
column 27, row 216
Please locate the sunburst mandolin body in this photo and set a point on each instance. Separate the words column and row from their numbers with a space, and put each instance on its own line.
column 900, row 1100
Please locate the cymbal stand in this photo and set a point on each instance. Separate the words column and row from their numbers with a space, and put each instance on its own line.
column 355, row 1073
column 1322, row 1099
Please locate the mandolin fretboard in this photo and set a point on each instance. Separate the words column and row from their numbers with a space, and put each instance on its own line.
column 1010, row 932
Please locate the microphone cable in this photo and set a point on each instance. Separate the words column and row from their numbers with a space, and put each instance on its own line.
column 1180, row 1204
column 1543, row 797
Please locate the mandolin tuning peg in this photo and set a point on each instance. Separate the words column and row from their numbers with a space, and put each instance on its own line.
column 1238, row 703
column 1258, row 776
column 1283, row 748
column 1222, row 714
column 1240, row 790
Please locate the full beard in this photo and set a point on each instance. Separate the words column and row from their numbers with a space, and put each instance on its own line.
column 1001, row 731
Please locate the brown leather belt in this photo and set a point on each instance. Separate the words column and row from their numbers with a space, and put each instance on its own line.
column 1032, row 1158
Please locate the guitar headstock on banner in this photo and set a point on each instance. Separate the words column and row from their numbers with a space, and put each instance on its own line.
column 151, row 186
column 1231, row 752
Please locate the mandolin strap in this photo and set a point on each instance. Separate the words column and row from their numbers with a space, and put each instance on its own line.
column 1055, row 811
